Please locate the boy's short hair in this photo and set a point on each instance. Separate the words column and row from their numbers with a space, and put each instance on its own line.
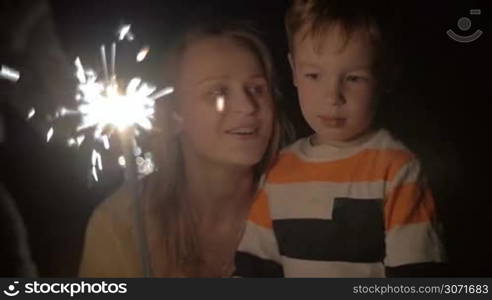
column 320, row 15
column 315, row 17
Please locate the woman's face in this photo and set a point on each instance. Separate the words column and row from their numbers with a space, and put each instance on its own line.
column 225, row 104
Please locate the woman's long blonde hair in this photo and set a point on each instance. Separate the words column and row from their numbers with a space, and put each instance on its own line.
column 170, row 230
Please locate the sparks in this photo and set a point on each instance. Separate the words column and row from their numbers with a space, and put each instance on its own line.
column 143, row 53
column 124, row 32
column 49, row 135
column 9, row 73
column 31, row 113
column 105, row 105
column 122, row 161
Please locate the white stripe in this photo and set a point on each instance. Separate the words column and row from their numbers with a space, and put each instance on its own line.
column 413, row 243
column 409, row 173
column 315, row 199
column 311, row 268
column 259, row 241
column 381, row 140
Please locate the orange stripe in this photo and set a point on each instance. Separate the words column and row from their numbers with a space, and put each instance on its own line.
column 408, row 204
column 260, row 211
column 368, row 165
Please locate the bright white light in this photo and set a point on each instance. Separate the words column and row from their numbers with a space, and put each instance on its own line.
column 122, row 161
column 103, row 105
column 31, row 113
column 220, row 103
column 9, row 73
column 162, row 93
column 96, row 159
column 137, row 151
column 80, row 140
column 49, row 134
column 142, row 53
column 80, row 73
column 145, row 165
column 124, row 32
column 94, row 174
column 105, row 140
column 121, row 111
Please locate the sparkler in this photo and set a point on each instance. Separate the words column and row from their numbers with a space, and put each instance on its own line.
column 104, row 107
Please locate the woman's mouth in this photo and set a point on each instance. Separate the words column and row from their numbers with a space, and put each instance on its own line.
column 243, row 131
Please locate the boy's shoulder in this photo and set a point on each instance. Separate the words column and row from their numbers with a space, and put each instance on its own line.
column 386, row 152
column 390, row 146
column 383, row 139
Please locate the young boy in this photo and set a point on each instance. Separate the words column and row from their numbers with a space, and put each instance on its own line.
column 348, row 201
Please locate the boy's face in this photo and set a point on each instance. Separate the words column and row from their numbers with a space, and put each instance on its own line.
column 335, row 82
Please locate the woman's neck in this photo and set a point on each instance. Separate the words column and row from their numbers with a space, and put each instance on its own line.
column 216, row 191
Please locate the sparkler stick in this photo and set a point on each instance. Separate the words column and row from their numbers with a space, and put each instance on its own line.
column 127, row 137
column 113, row 60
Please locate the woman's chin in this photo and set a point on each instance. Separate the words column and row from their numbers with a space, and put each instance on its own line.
column 244, row 160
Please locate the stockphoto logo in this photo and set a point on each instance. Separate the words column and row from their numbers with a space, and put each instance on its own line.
column 72, row 288
column 12, row 290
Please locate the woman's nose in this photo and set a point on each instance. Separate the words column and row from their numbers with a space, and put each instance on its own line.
column 243, row 102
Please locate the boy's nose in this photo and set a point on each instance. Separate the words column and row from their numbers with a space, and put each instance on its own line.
column 334, row 95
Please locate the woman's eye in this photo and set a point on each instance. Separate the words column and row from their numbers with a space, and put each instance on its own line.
column 256, row 90
column 217, row 92
column 312, row 76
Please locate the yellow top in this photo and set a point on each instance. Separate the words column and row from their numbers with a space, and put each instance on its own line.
column 110, row 248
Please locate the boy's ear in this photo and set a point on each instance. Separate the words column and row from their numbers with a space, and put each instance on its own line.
column 292, row 68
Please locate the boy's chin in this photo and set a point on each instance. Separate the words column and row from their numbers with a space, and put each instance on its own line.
column 339, row 136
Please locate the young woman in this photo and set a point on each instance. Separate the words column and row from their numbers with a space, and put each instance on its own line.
column 218, row 132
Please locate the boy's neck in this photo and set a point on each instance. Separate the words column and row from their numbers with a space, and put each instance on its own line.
column 352, row 142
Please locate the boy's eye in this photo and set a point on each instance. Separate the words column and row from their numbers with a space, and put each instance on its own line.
column 312, row 76
column 357, row 78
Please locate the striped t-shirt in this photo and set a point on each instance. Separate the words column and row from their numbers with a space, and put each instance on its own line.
column 326, row 211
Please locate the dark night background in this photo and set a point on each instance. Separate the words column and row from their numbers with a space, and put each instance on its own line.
column 439, row 109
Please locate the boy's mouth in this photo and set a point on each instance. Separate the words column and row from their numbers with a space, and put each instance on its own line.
column 334, row 122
